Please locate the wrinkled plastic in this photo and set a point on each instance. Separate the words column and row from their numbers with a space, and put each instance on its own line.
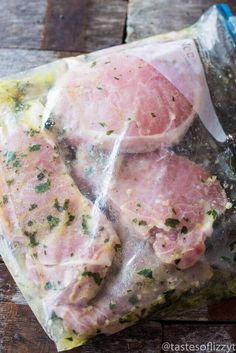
column 118, row 179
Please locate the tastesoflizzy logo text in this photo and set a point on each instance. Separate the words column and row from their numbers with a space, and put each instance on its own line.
column 204, row 347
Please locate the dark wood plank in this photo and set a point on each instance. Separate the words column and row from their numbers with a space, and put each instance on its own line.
column 203, row 334
column 84, row 25
column 105, row 23
column 21, row 23
column 150, row 17
column 62, row 25
column 9, row 292
column 15, row 60
column 21, row 333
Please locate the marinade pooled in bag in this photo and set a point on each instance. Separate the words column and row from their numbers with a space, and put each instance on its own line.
column 117, row 179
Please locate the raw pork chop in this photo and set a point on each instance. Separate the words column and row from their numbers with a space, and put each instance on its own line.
column 67, row 244
column 133, row 288
column 159, row 196
column 120, row 97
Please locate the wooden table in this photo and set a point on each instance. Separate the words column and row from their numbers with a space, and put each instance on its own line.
column 33, row 32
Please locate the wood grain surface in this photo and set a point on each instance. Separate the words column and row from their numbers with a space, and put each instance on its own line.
column 150, row 17
column 37, row 32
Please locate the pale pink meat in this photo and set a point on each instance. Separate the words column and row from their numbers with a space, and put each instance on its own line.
column 161, row 197
column 120, row 97
column 67, row 243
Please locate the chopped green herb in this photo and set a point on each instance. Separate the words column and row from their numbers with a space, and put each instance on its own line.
column 55, row 317
column 112, row 306
column 138, row 204
column 48, row 286
column 184, row 230
column 171, row 222
column 70, row 339
column 53, row 221
column 102, row 124
column 85, row 224
column 109, row 132
column 93, row 64
column 17, row 163
column 32, row 238
column 101, row 229
column 34, row 148
column 95, row 275
column 62, row 208
column 10, row 181
column 70, row 219
column 41, row 188
column 133, row 299
column 66, row 204
column 212, row 213
column 33, row 206
column 31, row 132
column 5, row 199
column 20, row 105
column 57, row 206
column 142, row 223
column 49, row 123
column 30, row 223
column 41, row 176
column 117, row 247
column 11, row 156
column 226, row 259
column 19, row 96
column 146, row 272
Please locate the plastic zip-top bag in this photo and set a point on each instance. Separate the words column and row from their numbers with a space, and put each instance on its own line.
column 117, row 175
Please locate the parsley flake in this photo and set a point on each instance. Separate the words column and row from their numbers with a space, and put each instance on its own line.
column 41, row 188
column 146, row 272
column 95, row 275
column 212, row 213
column 171, row 222
column 33, row 206
column 53, row 221
column 34, row 148
column 109, row 132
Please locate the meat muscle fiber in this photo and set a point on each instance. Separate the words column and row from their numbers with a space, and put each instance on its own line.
column 67, row 244
column 161, row 197
column 120, row 97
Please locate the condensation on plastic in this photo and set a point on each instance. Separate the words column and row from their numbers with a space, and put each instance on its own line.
column 118, row 180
